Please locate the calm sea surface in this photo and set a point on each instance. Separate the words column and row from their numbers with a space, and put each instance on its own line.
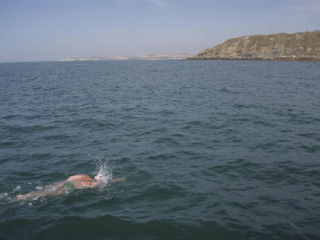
column 209, row 149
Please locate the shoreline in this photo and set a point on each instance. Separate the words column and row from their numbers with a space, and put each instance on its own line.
column 259, row 59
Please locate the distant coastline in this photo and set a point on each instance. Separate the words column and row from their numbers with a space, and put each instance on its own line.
column 140, row 57
column 302, row 46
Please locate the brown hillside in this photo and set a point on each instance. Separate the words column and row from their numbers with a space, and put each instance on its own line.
column 281, row 46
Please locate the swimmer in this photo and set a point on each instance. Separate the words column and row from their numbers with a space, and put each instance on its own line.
column 79, row 181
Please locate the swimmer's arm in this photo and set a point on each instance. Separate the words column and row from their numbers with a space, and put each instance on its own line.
column 41, row 193
column 116, row 180
column 54, row 191
column 30, row 195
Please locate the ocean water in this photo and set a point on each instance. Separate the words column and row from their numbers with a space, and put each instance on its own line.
column 209, row 149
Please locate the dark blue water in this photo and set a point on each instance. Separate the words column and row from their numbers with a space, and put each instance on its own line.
column 209, row 149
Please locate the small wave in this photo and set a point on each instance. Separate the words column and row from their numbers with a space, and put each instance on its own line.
column 10, row 116
column 112, row 227
column 162, row 156
column 61, row 136
column 167, row 141
column 227, row 90
column 29, row 129
column 310, row 148
column 166, row 113
column 92, row 123
column 41, row 156
column 7, row 143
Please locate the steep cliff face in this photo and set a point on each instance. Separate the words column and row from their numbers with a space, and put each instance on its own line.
column 281, row 46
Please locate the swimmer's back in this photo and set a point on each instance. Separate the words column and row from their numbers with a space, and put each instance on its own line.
column 80, row 181
column 79, row 177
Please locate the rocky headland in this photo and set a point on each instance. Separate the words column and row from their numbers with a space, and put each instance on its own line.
column 301, row 46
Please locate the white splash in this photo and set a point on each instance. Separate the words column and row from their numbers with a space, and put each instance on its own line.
column 103, row 171
column 3, row 195
column 16, row 189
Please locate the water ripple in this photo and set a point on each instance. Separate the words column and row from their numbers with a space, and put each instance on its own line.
column 209, row 149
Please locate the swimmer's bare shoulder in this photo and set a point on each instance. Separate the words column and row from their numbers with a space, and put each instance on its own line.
column 81, row 181
column 79, row 177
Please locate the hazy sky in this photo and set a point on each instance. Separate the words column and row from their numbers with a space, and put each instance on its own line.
column 33, row 30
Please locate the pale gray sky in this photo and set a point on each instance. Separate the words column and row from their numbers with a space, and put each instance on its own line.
column 36, row 30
